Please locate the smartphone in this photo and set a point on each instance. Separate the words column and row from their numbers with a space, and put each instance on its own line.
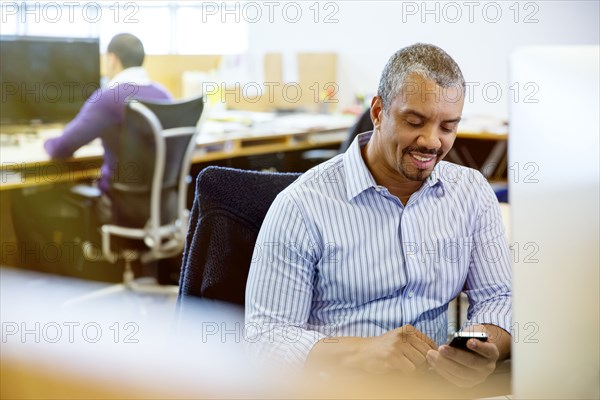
column 460, row 339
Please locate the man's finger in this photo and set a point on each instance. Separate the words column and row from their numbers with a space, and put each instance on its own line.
column 422, row 346
column 487, row 350
column 415, row 355
column 455, row 368
column 408, row 334
column 427, row 340
column 468, row 359
column 460, row 375
column 414, row 335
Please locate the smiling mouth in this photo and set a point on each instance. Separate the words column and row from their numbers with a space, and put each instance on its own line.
column 421, row 158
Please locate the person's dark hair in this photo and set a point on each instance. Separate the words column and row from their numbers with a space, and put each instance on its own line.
column 128, row 48
column 427, row 60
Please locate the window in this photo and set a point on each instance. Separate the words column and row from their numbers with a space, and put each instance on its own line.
column 164, row 27
column 44, row 18
column 202, row 32
column 9, row 21
column 152, row 24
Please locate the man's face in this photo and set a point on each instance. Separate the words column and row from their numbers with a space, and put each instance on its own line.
column 419, row 128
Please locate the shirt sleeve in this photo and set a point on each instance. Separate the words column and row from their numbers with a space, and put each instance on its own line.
column 94, row 118
column 490, row 272
column 280, row 286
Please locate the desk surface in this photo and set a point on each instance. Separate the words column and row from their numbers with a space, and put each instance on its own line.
column 20, row 150
column 24, row 161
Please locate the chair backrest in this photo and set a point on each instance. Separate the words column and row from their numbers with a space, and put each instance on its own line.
column 149, row 187
column 228, row 210
column 363, row 124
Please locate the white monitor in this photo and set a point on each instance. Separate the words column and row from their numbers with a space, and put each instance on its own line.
column 554, row 196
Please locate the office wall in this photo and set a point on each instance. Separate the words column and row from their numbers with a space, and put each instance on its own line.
column 367, row 33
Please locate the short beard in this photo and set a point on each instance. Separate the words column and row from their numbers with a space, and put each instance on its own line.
column 418, row 175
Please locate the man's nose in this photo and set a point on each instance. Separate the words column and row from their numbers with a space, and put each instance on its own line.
column 429, row 138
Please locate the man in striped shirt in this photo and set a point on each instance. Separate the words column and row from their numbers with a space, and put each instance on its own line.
column 357, row 260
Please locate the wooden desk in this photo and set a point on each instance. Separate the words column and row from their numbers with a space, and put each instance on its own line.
column 27, row 163
column 482, row 147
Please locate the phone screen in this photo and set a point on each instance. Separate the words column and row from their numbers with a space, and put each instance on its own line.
column 460, row 339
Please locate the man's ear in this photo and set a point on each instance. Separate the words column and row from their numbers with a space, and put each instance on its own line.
column 114, row 63
column 376, row 111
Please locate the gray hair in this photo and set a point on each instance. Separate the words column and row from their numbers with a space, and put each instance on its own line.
column 426, row 60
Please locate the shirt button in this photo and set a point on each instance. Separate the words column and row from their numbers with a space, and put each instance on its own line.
column 411, row 293
column 378, row 188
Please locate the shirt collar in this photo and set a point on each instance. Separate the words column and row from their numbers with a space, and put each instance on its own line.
column 435, row 181
column 435, row 177
column 132, row 76
column 358, row 176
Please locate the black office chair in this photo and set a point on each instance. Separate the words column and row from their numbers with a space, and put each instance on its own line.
column 362, row 124
column 146, row 217
column 228, row 210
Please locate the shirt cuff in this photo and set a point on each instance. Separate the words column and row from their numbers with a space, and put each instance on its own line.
column 497, row 313
column 282, row 343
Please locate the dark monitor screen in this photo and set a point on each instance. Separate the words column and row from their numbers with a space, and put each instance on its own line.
column 46, row 79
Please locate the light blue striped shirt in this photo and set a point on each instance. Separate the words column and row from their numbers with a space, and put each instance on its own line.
column 338, row 255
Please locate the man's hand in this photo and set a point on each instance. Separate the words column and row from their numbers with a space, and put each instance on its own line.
column 467, row 369
column 403, row 349
column 463, row 368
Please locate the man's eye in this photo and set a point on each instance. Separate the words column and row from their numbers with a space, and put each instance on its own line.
column 448, row 129
column 413, row 123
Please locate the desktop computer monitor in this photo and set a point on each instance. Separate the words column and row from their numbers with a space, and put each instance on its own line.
column 46, row 79
column 554, row 197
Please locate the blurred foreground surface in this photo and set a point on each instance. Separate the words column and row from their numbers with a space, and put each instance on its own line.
column 60, row 342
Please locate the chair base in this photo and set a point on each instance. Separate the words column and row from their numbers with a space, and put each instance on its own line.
column 149, row 286
column 141, row 286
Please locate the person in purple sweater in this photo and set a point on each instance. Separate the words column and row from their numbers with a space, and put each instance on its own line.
column 102, row 114
column 47, row 223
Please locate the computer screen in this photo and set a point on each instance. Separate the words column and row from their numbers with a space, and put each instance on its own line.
column 46, row 79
